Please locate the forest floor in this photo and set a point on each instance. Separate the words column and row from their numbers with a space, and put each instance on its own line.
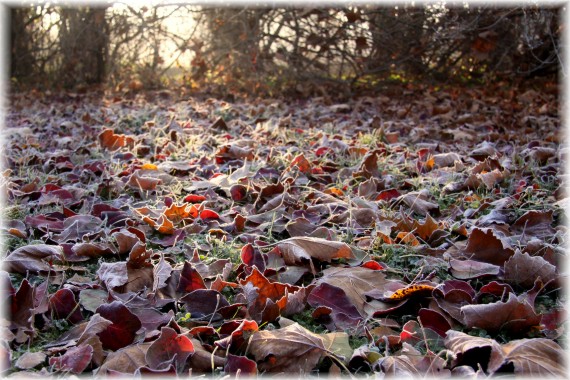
column 414, row 232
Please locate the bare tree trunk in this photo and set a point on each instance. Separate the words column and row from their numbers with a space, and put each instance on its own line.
column 22, row 61
column 84, row 39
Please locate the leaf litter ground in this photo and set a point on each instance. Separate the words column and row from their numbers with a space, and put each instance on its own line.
column 416, row 234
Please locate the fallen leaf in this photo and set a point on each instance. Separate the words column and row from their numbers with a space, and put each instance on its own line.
column 169, row 347
column 292, row 349
column 33, row 258
column 513, row 315
column 240, row 366
column 537, row 357
column 122, row 331
column 410, row 363
column 348, row 292
column 485, row 245
column 467, row 269
column 297, row 248
column 522, row 270
column 190, row 279
column 113, row 274
column 126, row 360
column 62, row 305
column 474, row 351
column 205, row 304
column 417, row 203
column 30, row 360
column 75, row 359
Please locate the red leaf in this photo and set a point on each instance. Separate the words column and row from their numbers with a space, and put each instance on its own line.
column 239, row 335
column 240, row 366
column 122, row 331
column 22, row 306
column 62, row 305
column 251, row 256
column 434, row 320
column 168, row 347
column 209, row 214
column 190, row 279
column 75, row 360
column 371, row 264
column 204, row 303
column 194, row 198
column 238, row 192
column 387, row 195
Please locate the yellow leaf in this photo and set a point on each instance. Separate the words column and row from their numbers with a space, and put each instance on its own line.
column 148, row 166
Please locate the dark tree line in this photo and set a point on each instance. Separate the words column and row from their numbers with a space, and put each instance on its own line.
column 258, row 48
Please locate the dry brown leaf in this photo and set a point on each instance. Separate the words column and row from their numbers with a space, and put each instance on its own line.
column 523, row 270
column 292, row 349
column 33, row 258
column 139, row 181
column 126, row 360
column 514, row 315
column 298, row 248
column 485, row 245
column 536, row 358
column 417, row 202
column 473, row 351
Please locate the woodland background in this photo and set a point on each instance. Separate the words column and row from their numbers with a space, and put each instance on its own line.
column 261, row 49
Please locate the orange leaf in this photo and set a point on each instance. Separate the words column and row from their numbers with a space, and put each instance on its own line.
column 111, row 141
column 302, row 163
column 407, row 292
column 165, row 226
column 334, row 191
column 148, row 166
column 177, row 213
column 408, row 238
